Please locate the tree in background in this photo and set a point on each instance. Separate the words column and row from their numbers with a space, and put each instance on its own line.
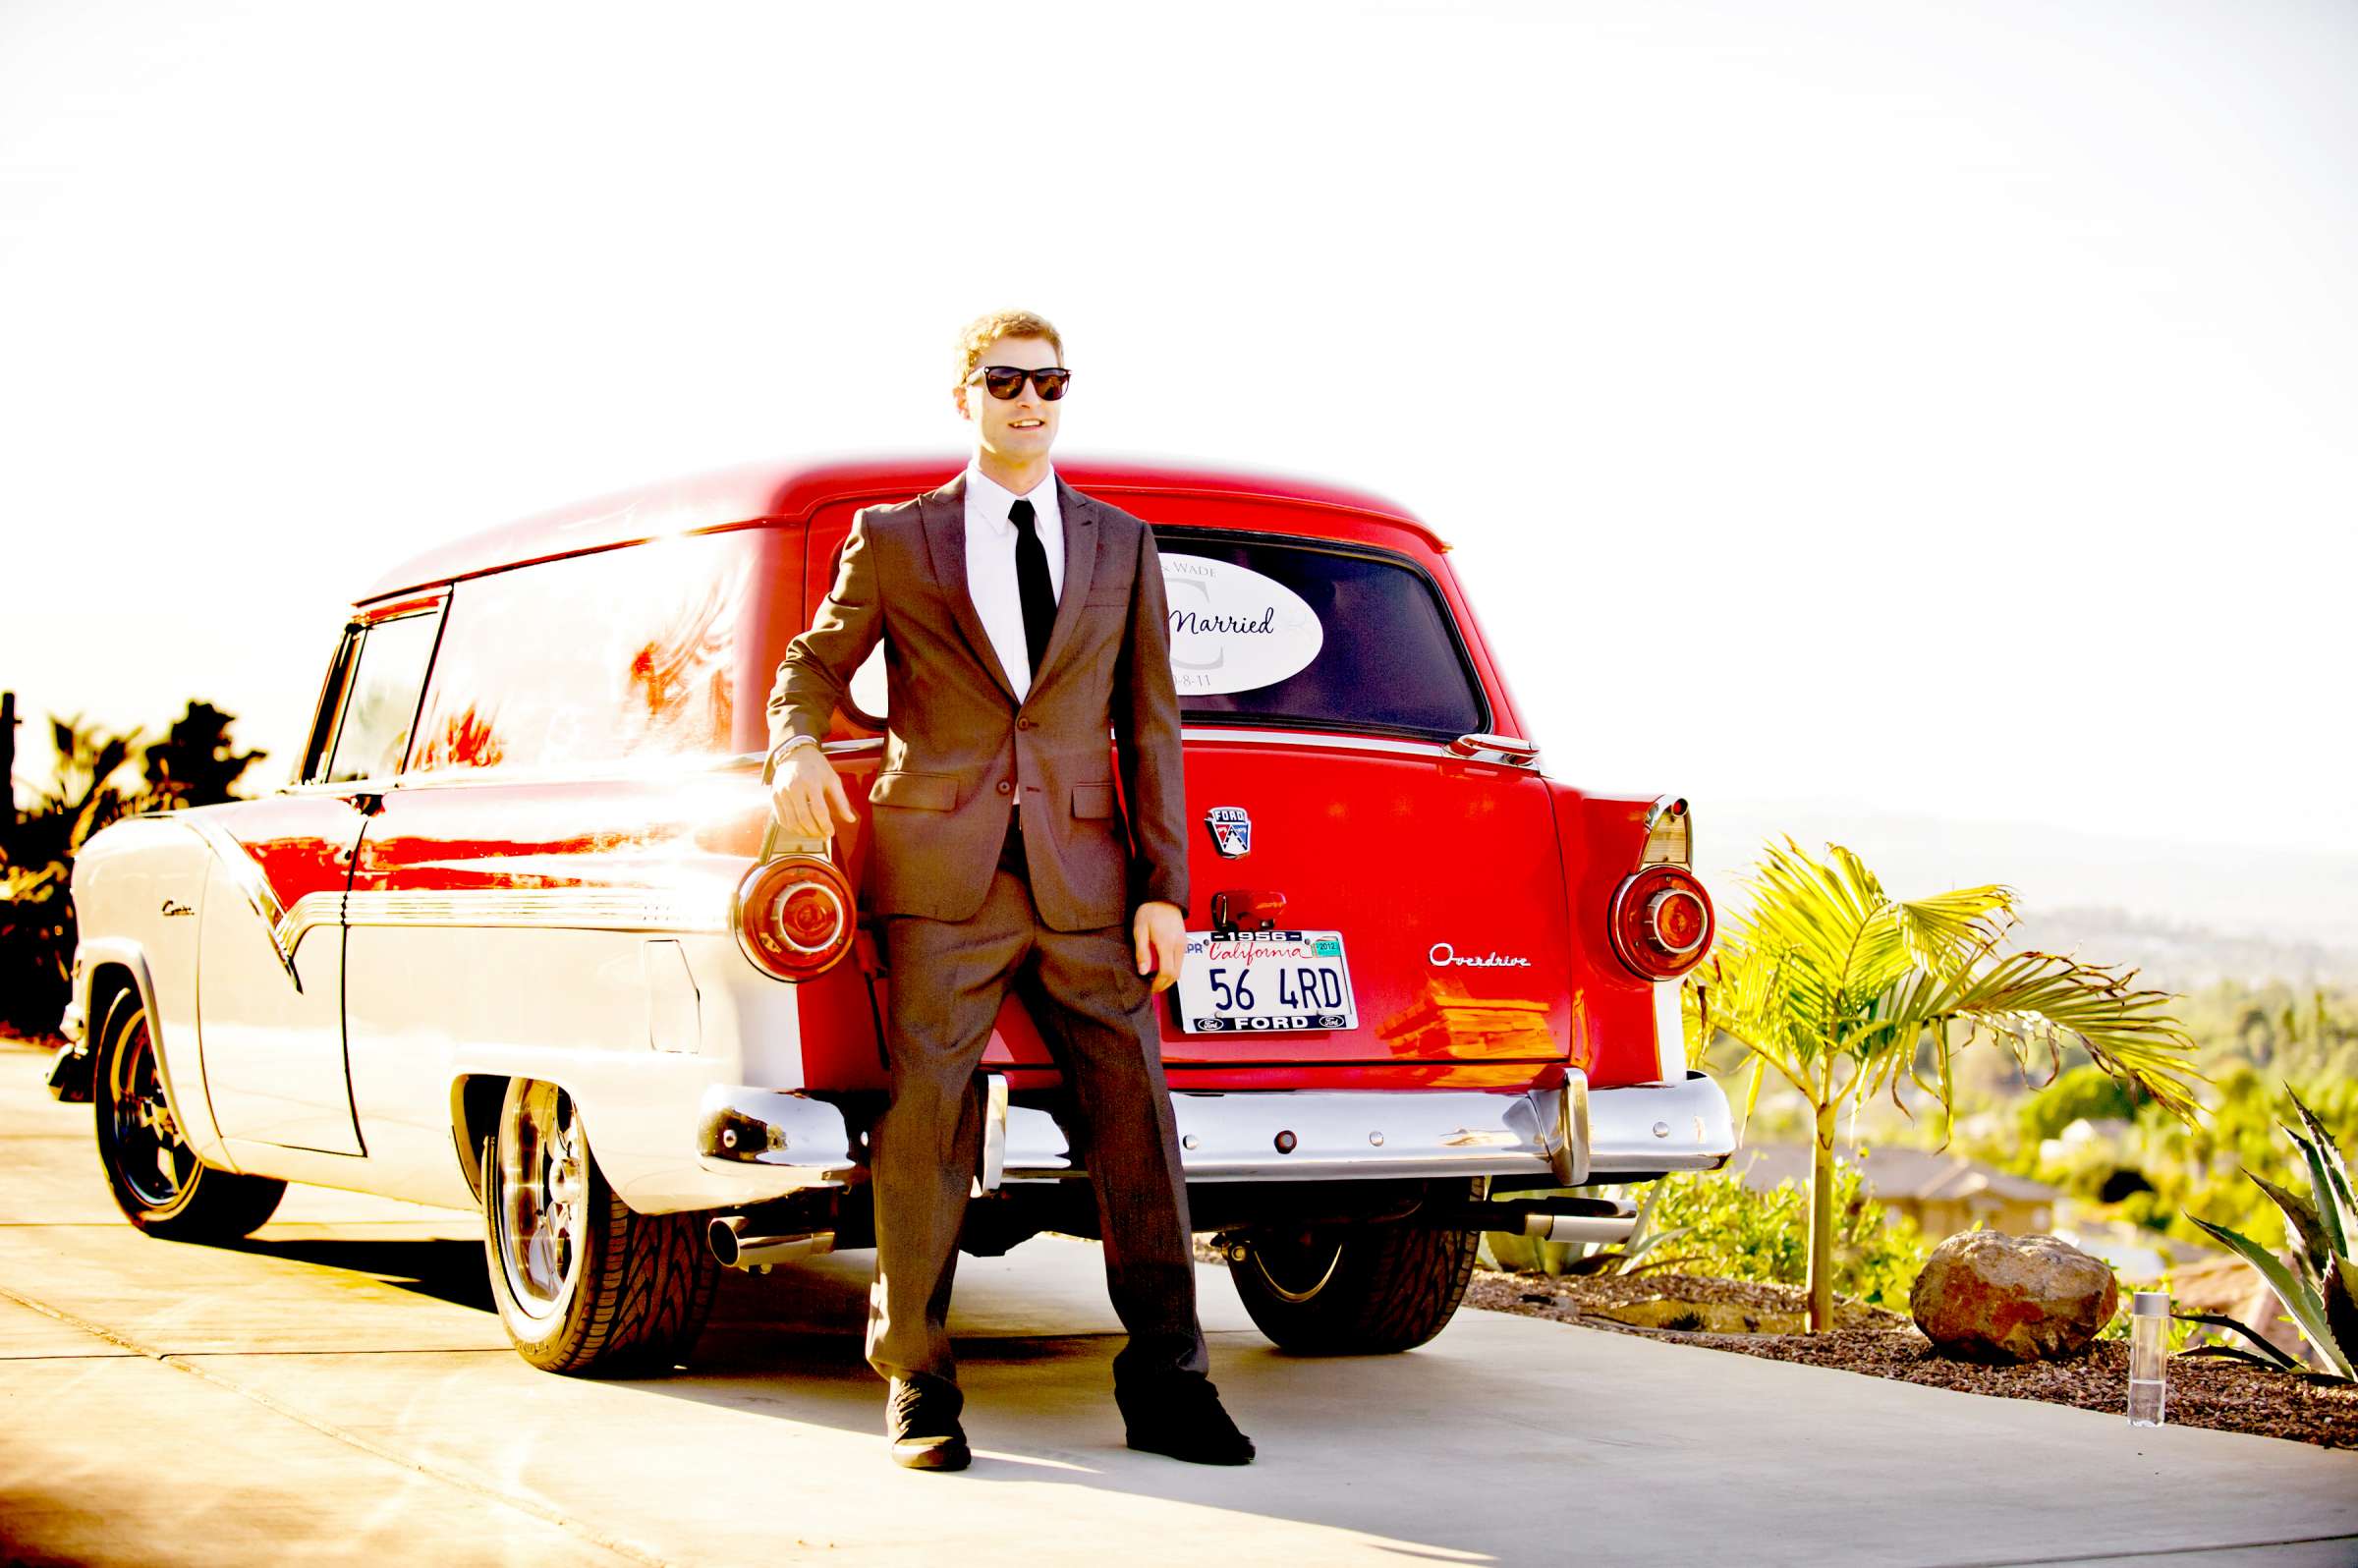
column 36, row 919
column 2080, row 1093
column 83, row 799
column 196, row 764
column 1843, row 991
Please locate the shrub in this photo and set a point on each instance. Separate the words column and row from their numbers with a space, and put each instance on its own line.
column 1713, row 1224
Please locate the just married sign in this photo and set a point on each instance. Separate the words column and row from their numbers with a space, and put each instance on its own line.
column 1233, row 628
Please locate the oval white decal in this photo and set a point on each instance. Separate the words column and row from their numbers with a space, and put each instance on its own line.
column 1234, row 630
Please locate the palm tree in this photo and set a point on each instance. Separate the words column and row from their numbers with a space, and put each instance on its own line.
column 1840, row 990
column 36, row 917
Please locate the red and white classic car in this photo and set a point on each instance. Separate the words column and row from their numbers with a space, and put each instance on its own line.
column 521, row 936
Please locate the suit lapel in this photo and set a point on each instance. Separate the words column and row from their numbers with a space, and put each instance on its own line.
column 1080, row 519
column 944, row 514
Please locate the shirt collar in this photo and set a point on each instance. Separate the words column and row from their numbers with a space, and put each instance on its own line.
column 991, row 500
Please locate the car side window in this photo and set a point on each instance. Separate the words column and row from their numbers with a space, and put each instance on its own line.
column 331, row 708
column 381, row 704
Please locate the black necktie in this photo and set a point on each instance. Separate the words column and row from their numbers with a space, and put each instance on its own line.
column 1031, row 583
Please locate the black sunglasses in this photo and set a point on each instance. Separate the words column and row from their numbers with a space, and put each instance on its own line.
column 1004, row 381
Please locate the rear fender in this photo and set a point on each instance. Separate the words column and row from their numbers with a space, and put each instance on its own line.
column 640, row 1111
column 101, row 966
column 1601, row 838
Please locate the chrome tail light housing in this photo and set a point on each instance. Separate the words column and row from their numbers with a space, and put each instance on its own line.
column 1661, row 921
column 795, row 917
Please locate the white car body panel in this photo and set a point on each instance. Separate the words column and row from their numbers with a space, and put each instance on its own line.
column 123, row 880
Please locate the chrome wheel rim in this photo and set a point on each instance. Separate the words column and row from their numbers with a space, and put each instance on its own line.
column 1296, row 1267
column 155, row 1161
column 537, row 1211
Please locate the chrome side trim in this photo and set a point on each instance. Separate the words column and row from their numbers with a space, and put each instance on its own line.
column 588, row 909
column 310, row 910
column 579, row 909
column 597, row 909
column 247, row 876
column 1346, row 743
column 861, row 745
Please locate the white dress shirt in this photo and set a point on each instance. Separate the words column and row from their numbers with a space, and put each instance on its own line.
column 990, row 540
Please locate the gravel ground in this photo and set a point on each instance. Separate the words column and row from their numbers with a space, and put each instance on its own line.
column 2204, row 1391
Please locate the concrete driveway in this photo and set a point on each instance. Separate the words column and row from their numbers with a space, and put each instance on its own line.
column 338, row 1389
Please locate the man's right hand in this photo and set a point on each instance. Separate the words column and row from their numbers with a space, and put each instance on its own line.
column 807, row 796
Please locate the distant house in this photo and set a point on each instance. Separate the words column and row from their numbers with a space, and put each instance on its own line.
column 1943, row 1193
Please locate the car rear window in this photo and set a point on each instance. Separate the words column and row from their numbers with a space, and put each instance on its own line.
column 1289, row 632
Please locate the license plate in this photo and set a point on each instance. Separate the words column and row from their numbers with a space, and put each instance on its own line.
column 1255, row 982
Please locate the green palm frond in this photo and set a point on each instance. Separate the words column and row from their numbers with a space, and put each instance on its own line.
column 1825, row 968
column 2053, row 1000
column 1951, row 930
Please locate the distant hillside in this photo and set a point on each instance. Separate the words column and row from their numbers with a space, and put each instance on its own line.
column 2186, row 914
column 2182, row 958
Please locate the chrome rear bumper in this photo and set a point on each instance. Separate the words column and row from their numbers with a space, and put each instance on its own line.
column 1572, row 1134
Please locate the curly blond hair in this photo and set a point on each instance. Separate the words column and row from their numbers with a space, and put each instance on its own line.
column 985, row 330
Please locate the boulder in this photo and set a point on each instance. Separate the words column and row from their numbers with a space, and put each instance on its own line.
column 1983, row 1296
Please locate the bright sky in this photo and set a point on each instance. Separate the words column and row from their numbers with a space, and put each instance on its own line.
column 1944, row 406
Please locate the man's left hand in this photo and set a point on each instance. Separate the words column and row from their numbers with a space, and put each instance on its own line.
column 1160, row 934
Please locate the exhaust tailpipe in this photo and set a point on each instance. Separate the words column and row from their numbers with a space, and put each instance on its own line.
column 735, row 1243
column 1579, row 1227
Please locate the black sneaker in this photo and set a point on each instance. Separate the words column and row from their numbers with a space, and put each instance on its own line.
column 922, row 1416
column 1181, row 1416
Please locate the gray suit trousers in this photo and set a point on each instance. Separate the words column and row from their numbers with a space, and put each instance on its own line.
column 1093, row 1009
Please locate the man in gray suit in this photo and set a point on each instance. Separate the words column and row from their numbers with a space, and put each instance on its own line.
column 1022, row 623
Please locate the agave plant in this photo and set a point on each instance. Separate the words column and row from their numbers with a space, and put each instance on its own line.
column 2319, row 1291
column 1844, row 991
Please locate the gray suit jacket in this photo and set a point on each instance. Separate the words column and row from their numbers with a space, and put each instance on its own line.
column 958, row 750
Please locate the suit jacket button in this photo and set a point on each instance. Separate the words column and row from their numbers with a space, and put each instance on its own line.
column 1005, row 787
column 1023, row 723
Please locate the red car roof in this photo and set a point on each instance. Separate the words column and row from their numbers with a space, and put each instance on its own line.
column 793, row 491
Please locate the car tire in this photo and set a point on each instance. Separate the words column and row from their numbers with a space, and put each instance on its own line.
column 584, row 1285
column 1360, row 1290
column 156, row 1179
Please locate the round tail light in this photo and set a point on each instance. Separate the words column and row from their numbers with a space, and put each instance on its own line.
column 1661, row 921
column 795, row 917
